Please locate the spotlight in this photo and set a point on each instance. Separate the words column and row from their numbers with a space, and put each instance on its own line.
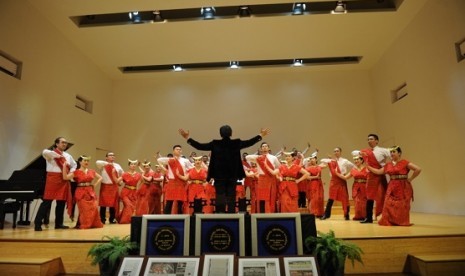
column 340, row 8
column 134, row 16
column 234, row 64
column 157, row 16
column 298, row 9
column 177, row 68
column 208, row 12
column 298, row 62
column 244, row 11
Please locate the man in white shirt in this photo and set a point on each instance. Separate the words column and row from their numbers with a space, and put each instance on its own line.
column 110, row 171
column 338, row 186
column 56, row 188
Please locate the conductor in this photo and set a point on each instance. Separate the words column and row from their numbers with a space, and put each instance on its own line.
column 225, row 164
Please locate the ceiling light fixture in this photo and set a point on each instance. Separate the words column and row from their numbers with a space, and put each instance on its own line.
column 157, row 16
column 234, row 64
column 134, row 16
column 208, row 12
column 177, row 68
column 298, row 62
column 298, row 9
column 244, row 11
column 340, row 8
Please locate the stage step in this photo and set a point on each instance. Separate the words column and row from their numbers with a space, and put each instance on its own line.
column 31, row 266
column 437, row 264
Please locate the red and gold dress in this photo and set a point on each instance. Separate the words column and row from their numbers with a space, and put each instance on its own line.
column 315, row 192
column 144, row 196
column 288, row 191
column 195, row 188
column 359, row 192
column 338, row 187
column 155, row 193
column 128, row 196
column 399, row 193
column 86, row 200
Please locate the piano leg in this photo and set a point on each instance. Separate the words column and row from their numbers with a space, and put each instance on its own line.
column 24, row 214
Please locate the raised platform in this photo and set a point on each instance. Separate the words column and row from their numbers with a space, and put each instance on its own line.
column 386, row 248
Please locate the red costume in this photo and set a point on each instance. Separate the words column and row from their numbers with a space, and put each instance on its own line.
column 109, row 191
column 315, row 192
column 129, row 196
column 376, row 184
column 195, row 189
column 210, row 193
column 338, row 187
column 288, row 190
column 251, row 182
column 359, row 192
column 155, row 193
column 144, row 195
column 266, row 185
column 398, row 195
column 86, row 200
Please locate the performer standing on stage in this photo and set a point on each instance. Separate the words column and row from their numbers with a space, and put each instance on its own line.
column 338, row 186
column 266, row 185
column 144, row 193
column 315, row 192
column 175, row 189
column 196, row 177
column 225, row 164
column 399, row 192
column 110, row 171
column 86, row 179
column 156, row 191
column 360, row 174
column 375, row 157
column 251, row 175
column 56, row 188
column 288, row 191
column 131, row 180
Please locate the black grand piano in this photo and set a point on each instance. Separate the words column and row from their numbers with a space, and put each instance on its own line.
column 22, row 188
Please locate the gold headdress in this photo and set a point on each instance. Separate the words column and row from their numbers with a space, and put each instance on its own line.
column 133, row 161
column 84, row 157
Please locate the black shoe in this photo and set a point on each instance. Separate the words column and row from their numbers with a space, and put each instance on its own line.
column 367, row 221
column 37, row 228
column 324, row 217
column 112, row 221
column 346, row 217
column 61, row 227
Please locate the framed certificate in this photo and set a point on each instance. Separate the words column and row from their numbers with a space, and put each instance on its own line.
column 219, row 233
column 218, row 264
column 131, row 266
column 276, row 234
column 300, row 266
column 178, row 266
column 165, row 235
column 249, row 266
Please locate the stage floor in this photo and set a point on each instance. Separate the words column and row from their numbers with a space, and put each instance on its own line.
column 424, row 225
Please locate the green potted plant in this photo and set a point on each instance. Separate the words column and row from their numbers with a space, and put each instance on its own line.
column 331, row 252
column 108, row 254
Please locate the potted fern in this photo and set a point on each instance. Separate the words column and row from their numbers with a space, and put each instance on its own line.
column 108, row 254
column 331, row 252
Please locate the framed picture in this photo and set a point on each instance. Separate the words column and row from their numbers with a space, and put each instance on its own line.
column 219, row 233
column 300, row 266
column 131, row 266
column 276, row 234
column 165, row 235
column 179, row 266
column 249, row 266
column 218, row 264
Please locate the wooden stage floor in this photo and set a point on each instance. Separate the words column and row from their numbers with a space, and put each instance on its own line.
column 386, row 248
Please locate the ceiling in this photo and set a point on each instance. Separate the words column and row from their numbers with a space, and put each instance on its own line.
column 195, row 41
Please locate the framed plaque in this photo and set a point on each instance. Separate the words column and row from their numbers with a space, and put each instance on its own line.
column 178, row 266
column 165, row 235
column 218, row 264
column 263, row 266
column 131, row 266
column 219, row 233
column 276, row 234
column 300, row 266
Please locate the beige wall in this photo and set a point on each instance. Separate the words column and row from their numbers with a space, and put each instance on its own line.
column 137, row 117
column 429, row 124
column 40, row 106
